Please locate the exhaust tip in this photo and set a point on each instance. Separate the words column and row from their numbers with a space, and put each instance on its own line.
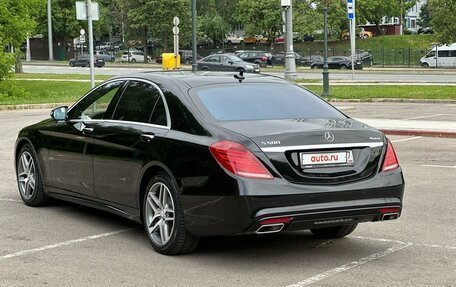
column 390, row 216
column 270, row 228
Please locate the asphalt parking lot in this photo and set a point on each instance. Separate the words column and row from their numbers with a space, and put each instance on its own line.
column 67, row 245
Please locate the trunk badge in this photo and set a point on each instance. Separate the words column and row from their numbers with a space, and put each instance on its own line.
column 329, row 136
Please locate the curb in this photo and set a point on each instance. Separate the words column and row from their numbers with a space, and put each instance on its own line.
column 32, row 106
column 393, row 100
column 423, row 133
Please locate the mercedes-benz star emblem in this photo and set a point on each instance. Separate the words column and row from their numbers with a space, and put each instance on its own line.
column 329, row 136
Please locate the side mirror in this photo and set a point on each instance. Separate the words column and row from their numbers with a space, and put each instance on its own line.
column 231, row 62
column 59, row 113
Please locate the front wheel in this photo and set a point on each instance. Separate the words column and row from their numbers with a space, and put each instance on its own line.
column 425, row 65
column 343, row 67
column 334, row 232
column 163, row 218
column 29, row 178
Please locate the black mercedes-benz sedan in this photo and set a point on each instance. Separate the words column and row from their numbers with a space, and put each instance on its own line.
column 202, row 154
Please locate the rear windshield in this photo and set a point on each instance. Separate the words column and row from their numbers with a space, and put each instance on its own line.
column 262, row 102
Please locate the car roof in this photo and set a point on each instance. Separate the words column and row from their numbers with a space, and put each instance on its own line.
column 202, row 78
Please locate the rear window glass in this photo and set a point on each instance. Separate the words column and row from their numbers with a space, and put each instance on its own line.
column 262, row 102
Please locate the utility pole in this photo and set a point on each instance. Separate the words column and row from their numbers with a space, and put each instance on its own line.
column 90, row 26
column 28, row 55
column 290, row 64
column 194, row 54
column 51, row 50
column 325, row 57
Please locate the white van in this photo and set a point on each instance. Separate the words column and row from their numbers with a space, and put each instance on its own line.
column 440, row 57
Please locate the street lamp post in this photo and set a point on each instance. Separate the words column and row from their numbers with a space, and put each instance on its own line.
column 325, row 59
column 194, row 54
column 290, row 64
column 51, row 50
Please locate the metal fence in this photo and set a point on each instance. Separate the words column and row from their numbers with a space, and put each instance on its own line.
column 405, row 57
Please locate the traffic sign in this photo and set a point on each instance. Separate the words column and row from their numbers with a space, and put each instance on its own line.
column 176, row 30
column 350, row 10
column 176, row 21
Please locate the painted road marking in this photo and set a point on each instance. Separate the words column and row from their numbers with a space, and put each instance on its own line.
column 399, row 242
column 10, row 200
column 65, row 243
column 439, row 166
column 423, row 117
column 351, row 265
column 407, row 139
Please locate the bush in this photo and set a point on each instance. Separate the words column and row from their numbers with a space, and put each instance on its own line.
column 9, row 90
column 6, row 64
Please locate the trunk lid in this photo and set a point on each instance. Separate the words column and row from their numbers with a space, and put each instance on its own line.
column 315, row 151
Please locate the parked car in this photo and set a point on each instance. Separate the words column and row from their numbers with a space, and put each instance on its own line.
column 440, row 57
column 84, row 61
column 191, row 155
column 362, row 34
column 338, row 62
column 187, row 57
column 107, row 57
column 233, row 39
column 260, row 58
column 134, row 56
column 365, row 57
column 425, row 30
column 226, row 62
column 308, row 38
column 296, row 36
column 257, row 39
column 279, row 59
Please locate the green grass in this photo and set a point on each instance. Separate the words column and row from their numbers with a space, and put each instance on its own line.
column 39, row 92
column 397, row 92
column 60, row 76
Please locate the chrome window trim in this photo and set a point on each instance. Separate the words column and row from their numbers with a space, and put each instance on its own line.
column 127, row 79
column 320, row 146
column 122, row 122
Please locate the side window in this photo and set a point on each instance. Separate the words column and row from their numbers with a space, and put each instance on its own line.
column 224, row 59
column 431, row 54
column 444, row 53
column 159, row 114
column 453, row 53
column 137, row 103
column 98, row 104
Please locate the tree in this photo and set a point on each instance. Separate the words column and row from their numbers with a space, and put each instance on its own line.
column 425, row 17
column 442, row 14
column 16, row 23
column 215, row 18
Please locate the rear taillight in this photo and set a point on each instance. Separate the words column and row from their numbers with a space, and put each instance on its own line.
column 264, row 58
column 390, row 163
column 238, row 160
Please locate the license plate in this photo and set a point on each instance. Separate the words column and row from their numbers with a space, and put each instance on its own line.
column 327, row 159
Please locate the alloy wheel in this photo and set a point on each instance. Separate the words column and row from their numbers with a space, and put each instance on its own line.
column 159, row 213
column 26, row 175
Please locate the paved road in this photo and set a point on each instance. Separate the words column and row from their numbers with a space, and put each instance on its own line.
column 68, row 245
column 419, row 76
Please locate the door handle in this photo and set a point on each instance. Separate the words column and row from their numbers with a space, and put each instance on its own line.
column 147, row 137
column 87, row 130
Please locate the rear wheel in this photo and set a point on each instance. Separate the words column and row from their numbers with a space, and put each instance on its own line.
column 72, row 64
column 29, row 178
column 343, row 67
column 314, row 67
column 164, row 219
column 334, row 232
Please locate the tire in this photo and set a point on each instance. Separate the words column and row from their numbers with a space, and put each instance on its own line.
column 113, row 60
column 71, row 64
column 187, row 62
column 241, row 43
column 229, row 42
column 334, row 232
column 205, row 69
column 133, row 60
column 345, row 38
column 162, row 212
column 425, row 65
column 314, row 67
column 365, row 36
column 343, row 67
column 27, row 169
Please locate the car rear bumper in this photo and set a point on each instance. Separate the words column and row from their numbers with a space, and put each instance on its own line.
column 307, row 206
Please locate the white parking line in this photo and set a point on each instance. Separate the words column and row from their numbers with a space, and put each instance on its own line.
column 405, row 140
column 423, row 117
column 65, row 243
column 351, row 265
column 10, row 200
column 439, row 166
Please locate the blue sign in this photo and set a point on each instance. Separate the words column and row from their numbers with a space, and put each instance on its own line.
column 350, row 10
column 351, row 16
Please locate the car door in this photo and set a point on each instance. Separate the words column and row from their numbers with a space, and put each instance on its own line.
column 133, row 137
column 226, row 64
column 213, row 63
column 70, row 142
